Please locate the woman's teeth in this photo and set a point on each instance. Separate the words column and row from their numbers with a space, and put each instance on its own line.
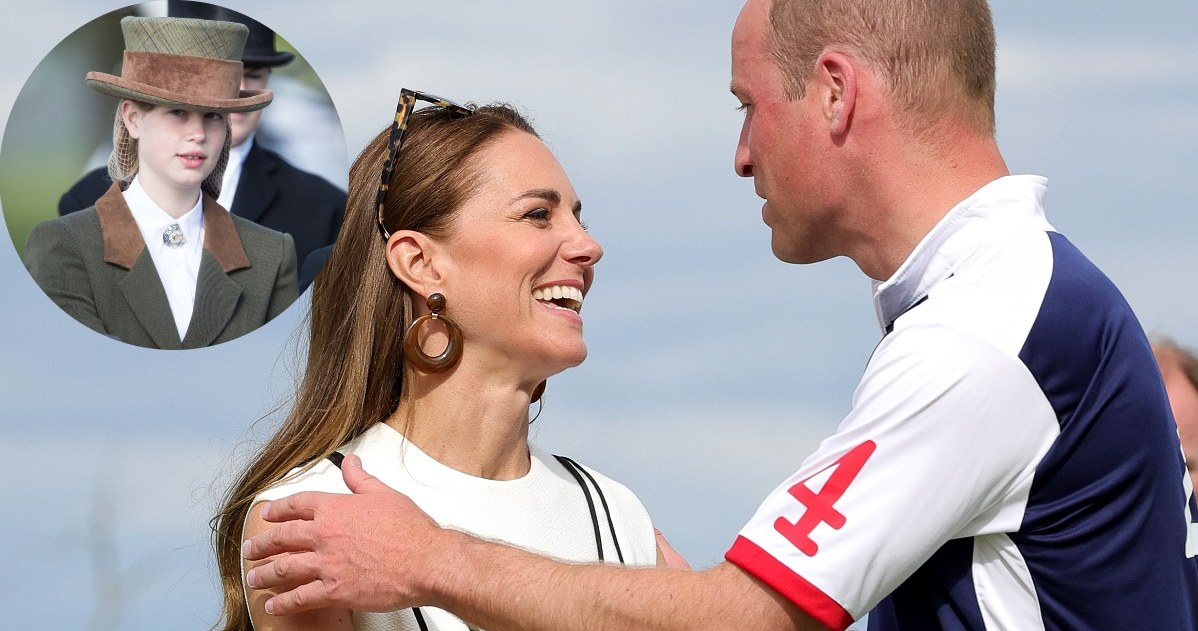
column 562, row 296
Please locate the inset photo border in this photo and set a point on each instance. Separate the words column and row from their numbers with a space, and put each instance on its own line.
column 287, row 173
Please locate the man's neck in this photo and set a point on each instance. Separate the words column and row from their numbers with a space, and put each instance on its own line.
column 918, row 187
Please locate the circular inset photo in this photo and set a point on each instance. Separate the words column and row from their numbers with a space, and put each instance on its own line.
column 173, row 175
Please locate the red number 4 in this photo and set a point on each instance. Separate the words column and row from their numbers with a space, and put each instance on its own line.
column 820, row 506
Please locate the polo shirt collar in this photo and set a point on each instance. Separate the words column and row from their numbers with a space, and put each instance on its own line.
column 1009, row 200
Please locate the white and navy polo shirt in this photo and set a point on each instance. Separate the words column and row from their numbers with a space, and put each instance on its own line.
column 1010, row 460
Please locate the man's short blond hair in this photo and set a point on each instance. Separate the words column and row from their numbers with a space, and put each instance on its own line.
column 938, row 56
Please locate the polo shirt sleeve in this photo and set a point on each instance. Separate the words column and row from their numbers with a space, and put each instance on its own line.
column 941, row 443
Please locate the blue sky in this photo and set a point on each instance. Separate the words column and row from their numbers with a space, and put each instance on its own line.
column 714, row 368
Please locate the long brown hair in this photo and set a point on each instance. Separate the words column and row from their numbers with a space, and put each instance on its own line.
column 356, row 372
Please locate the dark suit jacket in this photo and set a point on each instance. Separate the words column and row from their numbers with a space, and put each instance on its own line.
column 312, row 265
column 270, row 193
column 94, row 265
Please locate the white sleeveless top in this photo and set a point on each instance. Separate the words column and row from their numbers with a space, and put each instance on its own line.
column 546, row 511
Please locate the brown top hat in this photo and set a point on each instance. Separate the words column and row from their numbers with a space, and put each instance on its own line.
column 182, row 62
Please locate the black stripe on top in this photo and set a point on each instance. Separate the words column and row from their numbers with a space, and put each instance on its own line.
column 571, row 466
column 578, row 472
column 603, row 500
column 420, row 619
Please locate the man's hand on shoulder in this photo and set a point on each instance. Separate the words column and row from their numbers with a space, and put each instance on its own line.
column 373, row 550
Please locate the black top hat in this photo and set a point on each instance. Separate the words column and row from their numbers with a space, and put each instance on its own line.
column 260, row 48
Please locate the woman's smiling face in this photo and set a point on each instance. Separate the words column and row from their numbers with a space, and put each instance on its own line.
column 519, row 260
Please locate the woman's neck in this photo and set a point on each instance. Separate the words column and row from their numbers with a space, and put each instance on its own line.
column 480, row 429
column 173, row 200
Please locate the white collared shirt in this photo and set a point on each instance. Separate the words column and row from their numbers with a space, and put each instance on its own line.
column 178, row 268
column 228, row 187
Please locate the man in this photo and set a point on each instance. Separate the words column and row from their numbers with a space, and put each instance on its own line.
column 1179, row 368
column 1009, row 461
column 259, row 184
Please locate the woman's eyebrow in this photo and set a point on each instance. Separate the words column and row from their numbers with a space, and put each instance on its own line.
column 546, row 194
column 549, row 195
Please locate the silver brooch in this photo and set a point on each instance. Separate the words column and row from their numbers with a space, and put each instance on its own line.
column 173, row 237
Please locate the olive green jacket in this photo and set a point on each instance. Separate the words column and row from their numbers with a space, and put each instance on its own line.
column 94, row 265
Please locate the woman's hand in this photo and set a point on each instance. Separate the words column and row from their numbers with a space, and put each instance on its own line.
column 667, row 556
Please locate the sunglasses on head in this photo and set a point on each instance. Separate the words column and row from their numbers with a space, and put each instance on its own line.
column 403, row 111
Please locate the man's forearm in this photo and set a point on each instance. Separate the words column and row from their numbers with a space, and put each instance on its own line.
column 505, row 589
column 375, row 550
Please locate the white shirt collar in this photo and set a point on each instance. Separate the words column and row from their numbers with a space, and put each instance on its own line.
column 232, row 175
column 153, row 221
column 1013, row 198
column 237, row 154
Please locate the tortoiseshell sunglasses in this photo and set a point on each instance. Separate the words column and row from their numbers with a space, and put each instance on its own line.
column 403, row 111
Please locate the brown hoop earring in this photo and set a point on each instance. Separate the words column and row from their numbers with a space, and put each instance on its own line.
column 411, row 339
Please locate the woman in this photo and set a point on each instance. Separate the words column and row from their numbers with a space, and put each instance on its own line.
column 453, row 293
column 157, row 262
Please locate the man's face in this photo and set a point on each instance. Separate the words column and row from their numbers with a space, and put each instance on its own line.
column 780, row 146
column 246, row 123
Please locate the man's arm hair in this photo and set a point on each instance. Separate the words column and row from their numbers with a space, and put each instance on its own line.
column 375, row 550
column 502, row 588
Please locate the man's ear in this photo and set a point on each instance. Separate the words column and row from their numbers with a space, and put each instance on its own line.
column 414, row 258
column 836, row 81
column 131, row 116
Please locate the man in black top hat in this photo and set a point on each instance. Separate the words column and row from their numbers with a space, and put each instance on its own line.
column 259, row 184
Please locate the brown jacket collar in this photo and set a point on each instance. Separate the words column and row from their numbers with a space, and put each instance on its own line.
column 123, row 242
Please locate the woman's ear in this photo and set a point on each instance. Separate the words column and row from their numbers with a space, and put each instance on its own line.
column 413, row 258
column 131, row 116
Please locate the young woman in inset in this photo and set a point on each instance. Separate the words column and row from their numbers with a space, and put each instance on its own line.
column 157, row 262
